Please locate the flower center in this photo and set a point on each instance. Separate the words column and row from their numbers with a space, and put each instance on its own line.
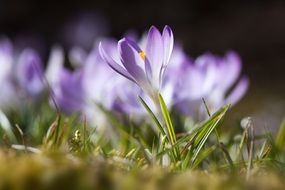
column 142, row 54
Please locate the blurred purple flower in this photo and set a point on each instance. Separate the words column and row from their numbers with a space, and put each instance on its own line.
column 20, row 76
column 230, row 67
column 7, row 93
column 6, row 58
column 82, row 91
column 145, row 67
column 66, row 89
column 99, row 81
column 69, row 93
column 216, row 79
column 30, row 72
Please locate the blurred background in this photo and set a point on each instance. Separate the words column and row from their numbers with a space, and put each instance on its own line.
column 255, row 29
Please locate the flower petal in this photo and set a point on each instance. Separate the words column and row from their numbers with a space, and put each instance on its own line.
column 148, row 70
column 206, row 64
column 30, row 72
column 69, row 94
column 154, row 52
column 231, row 70
column 131, row 60
column 6, row 59
column 54, row 66
column 113, row 64
column 133, row 44
column 168, row 41
column 238, row 92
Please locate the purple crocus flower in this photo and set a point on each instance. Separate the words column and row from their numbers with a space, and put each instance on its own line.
column 20, row 75
column 6, row 58
column 99, row 81
column 7, row 95
column 229, row 68
column 126, row 92
column 66, row 85
column 210, row 77
column 69, row 94
column 82, row 91
column 145, row 67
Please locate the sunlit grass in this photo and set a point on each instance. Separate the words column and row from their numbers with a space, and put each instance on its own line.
column 47, row 150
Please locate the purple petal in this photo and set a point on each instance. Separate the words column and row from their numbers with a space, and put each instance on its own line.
column 131, row 60
column 54, row 66
column 238, row 92
column 206, row 64
column 231, row 70
column 133, row 44
column 154, row 52
column 6, row 57
column 97, row 72
column 168, row 41
column 71, row 83
column 148, row 70
column 113, row 64
column 193, row 81
column 69, row 94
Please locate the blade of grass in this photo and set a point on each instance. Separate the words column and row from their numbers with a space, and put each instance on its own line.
column 208, row 128
column 204, row 154
column 169, row 126
column 251, row 149
column 167, row 119
column 227, row 155
column 209, row 114
column 280, row 139
column 6, row 126
column 239, row 155
column 206, row 107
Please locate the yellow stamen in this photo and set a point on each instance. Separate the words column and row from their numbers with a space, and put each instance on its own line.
column 142, row 54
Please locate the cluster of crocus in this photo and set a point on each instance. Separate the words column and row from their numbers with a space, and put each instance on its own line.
column 155, row 66
column 152, row 65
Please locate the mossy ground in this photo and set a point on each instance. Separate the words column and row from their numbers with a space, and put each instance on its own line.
column 49, row 170
column 57, row 152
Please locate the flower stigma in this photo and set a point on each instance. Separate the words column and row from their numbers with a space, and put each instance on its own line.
column 142, row 54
